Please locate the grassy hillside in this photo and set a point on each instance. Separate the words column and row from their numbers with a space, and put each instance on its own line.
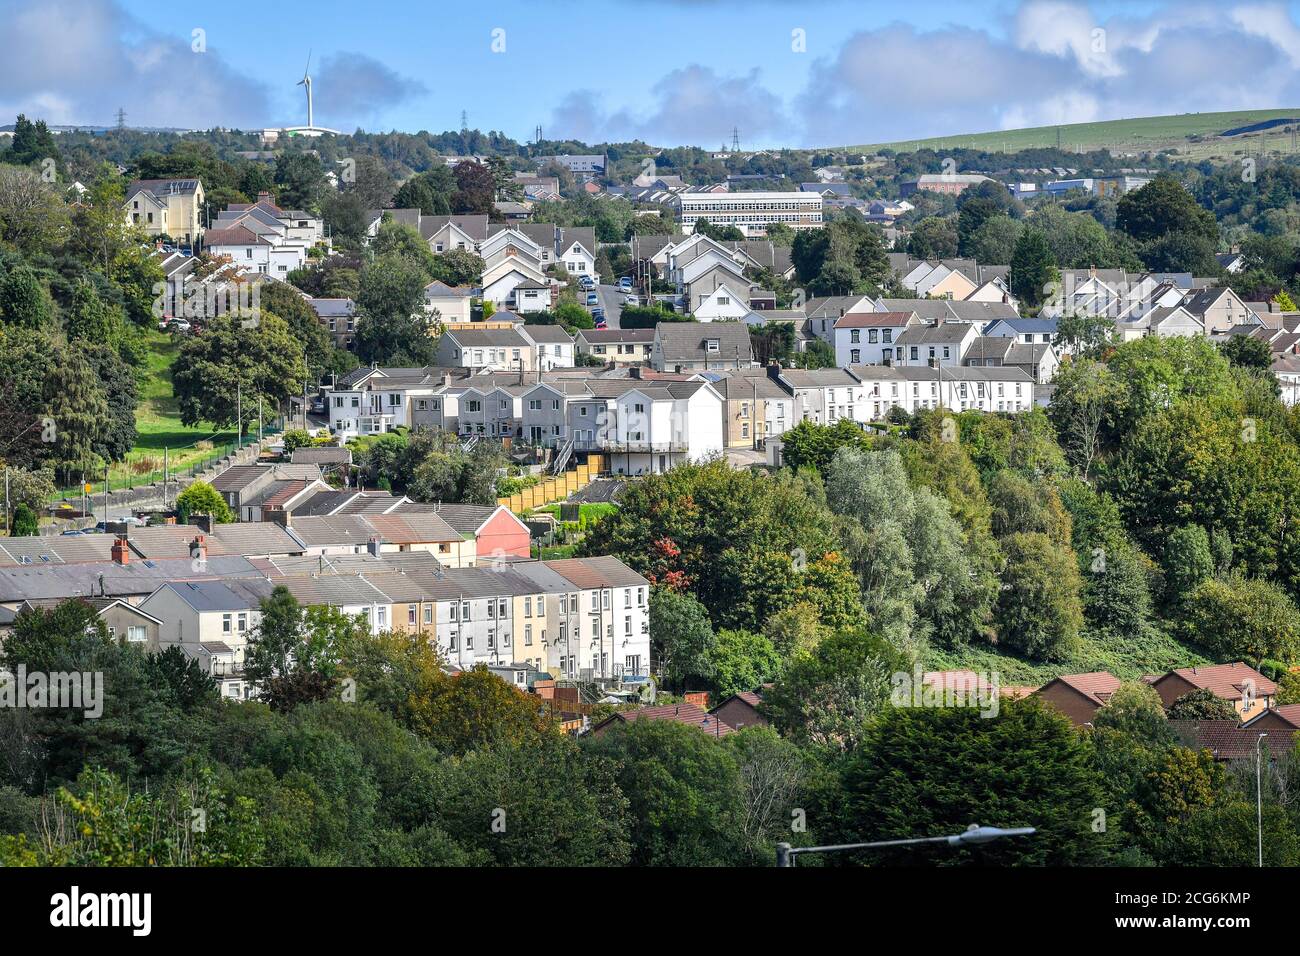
column 158, row 424
column 1128, row 658
column 1193, row 134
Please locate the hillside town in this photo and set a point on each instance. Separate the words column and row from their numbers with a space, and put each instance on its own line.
column 457, row 499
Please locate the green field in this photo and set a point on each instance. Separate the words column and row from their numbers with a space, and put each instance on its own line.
column 1195, row 134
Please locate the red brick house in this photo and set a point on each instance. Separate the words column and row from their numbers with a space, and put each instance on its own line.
column 1245, row 688
column 741, row 710
column 1079, row 696
column 680, row 713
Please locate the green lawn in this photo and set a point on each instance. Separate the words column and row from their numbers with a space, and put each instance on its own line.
column 158, row 423
column 1137, row 134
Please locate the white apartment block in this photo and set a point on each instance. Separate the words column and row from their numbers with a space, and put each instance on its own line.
column 750, row 212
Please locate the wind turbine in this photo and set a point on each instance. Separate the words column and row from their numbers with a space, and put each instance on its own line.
column 306, row 81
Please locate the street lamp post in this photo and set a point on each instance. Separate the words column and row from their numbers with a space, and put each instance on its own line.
column 1259, row 797
column 974, row 834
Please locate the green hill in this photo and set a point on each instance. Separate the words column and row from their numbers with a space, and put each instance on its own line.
column 1196, row 135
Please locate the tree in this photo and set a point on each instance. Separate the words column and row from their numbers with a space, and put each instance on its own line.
column 74, row 400
column 994, row 241
column 933, row 238
column 31, row 143
column 1201, row 704
column 1033, row 270
column 893, row 785
column 232, row 364
column 1116, row 596
column 971, row 216
column 683, row 790
column 1162, row 207
column 458, row 267
column 32, row 216
column 25, row 521
column 304, row 325
column 23, row 300
column 88, row 318
column 117, row 382
column 682, row 637
column 300, row 181
column 737, row 540
column 1134, row 709
column 1022, row 506
column 393, row 327
column 810, row 445
column 740, row 661
column 1187, row 561
column 915, row 569
column 829, row 697
column 1084, row 335
column 1242, row 618
column 475, row 709
column 475, row 188
column 557, row 805
column 1039, row 612
column 1246, row 352
column 1084, row 401
column 200, row 498
column 293, row 653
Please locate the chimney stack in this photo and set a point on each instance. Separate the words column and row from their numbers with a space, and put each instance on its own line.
column 373, row 545
column 199, row 548
column 121, row 550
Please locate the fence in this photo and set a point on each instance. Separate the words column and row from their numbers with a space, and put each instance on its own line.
column 128, row 475
column 555, row 489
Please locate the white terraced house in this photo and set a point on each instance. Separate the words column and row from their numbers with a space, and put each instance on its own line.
column 916, row 387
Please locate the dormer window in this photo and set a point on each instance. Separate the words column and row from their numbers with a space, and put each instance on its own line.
column 712, row 345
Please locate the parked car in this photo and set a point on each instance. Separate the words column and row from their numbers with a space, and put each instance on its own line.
column 587, row 283
column 631, row 299
column 600, row 323
column 593, row 299
column 625, row 283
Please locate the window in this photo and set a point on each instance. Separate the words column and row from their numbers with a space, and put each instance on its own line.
column 410, row 615
column 428, row 614
column 226, row 623
column 135, row 633
column 528, row 635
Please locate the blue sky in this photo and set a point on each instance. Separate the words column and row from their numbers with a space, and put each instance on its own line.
column 670, row 71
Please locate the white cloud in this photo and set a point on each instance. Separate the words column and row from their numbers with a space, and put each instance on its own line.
column 78, row 61
column 352, row 88
column 692, row 105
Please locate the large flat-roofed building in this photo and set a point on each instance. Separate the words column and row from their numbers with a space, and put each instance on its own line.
column 751, row 213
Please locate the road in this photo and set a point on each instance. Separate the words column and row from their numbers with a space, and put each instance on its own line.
column 612, row 302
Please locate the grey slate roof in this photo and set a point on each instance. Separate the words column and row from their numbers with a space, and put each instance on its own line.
column 685, row 341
